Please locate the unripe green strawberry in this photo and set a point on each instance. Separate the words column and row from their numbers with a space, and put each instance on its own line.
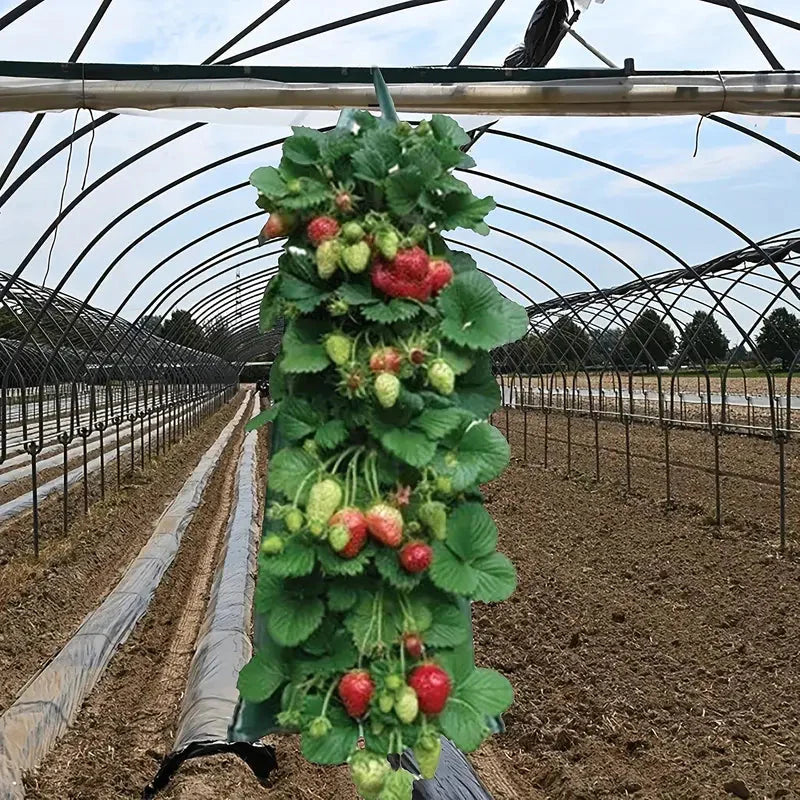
column 319, row 727
column 310, row 446
column 387, row 241
column 328, row 257
column 323, row 500
column 338, row 307
column 338, row 347
column 426, row 753
column 444, row 484
column 369, row 772
column 394, row 682
column 442, row 377
column 386, row 702
column 418, row 233
column 356, row 257
column 294, row 520
column 272, row 546
column 387, row 389
column 352, row 232
column 434, row 517
column 294, row 186
column 423, row 129
column 339, row 537
column 407, row 705
column 414, row 528
column 399, row 786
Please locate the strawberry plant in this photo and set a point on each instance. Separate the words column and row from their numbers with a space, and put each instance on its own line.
column 376, row 535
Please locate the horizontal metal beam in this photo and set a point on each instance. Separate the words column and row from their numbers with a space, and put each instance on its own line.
column 638, row 94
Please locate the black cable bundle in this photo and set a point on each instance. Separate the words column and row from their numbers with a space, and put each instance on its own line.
column 544, row 33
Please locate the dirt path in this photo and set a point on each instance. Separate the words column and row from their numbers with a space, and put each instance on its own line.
column 127, row 724
column 43, row 602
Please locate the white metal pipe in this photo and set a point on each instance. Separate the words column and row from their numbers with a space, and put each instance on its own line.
column 636, row 95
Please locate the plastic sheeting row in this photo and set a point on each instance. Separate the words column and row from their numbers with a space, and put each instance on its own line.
column 51, row 701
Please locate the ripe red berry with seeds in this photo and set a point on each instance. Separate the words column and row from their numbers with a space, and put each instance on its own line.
column 355, row 691
column 321, row 229
column 416, row 557
column 432, row 685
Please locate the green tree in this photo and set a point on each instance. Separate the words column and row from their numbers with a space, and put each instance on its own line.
column 566, row 343
column 151, row 323
column 183, row 329
column 780, row 337
column 218, row 338
column 703, row 340
column 648, row 340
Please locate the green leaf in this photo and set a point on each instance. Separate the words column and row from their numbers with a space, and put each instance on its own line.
column 497, row 578
column 267, row 415
column 436, row 423
column 461, row 723
column 312, row 193
column 480, row 456
column 487, row 691
column 301, row 149
column 450, row 628
column 448, row 184
column 303, row 350
column 371, row 629
column 368, row 165
column 454, row 663
column 293, row 619
column 395, row 310
column 287, row 469
column 338, row 743
column 449, row 573
column 471, row 532
column 461, row 261
column 357, row 294
column 271, row 305
column 466, row 211
column 410, row 446
column 390, row 569
column 268, row 592
column 269, row 182
column 446, row 129
column 331, row 434
column 261, row 677
column 298, row 418
column 342, row 596
column 477, row 316
column 337, row 656
column 333, row 564
column 306, row 296
column 296, row 560
column 403, row 189
column 299, row 263
column 477, row 390
column 459, row 359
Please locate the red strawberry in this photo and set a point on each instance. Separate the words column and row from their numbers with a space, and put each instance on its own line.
column 411, row 263
column 320, row 229
column 413, row 644
column 353, row 519
column 385, row 524
column 432, row 685
column 355, row 690
column 441, row 273
column 416, row 557
column 389, row 282
column 278, row 224
column 385, row 359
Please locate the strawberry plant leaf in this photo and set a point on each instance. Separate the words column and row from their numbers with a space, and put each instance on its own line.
column 299, row 263
column 333, row 564
column 338, row 655
column 302, row 347
column 459, row 359
column 449, row 184
column 312, row 194
column 446, row 129
column 486, row 691
column 480, row 455
column 477, row 390
column 294, row 618
column 287, row 468
column 331, row 434
column 298, row 418
column 389, row 568
column 296, row 560
column 338, row 743
column 463, row 724
column 306, row 296
column 450, row 627
column 449, row 573
column 357, row 294
column 471, row 532
column 267, row 415
column 466, row 211
column 342, row 596
column 261, row 677
column 302, row 149
column 497, row 578
column 269, row 182
column 461, row 261
column 394, row 311
column 436, row 423
column 403, row 189
column 374, row 622
column 271, row 306
column 410, row 446
column 369, row 166
column 457, row 667
column 268, row 592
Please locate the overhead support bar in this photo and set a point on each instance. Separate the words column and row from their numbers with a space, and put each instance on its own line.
column 635, row 95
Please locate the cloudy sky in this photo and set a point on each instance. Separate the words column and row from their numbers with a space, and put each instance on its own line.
column 750, row 185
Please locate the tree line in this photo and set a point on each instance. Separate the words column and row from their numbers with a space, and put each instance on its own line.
column 646, row 343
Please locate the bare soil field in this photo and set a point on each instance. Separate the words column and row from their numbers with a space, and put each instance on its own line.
column 652, row 654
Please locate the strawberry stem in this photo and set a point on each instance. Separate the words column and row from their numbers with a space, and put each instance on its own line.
column 328, row 696
column 305, row 480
